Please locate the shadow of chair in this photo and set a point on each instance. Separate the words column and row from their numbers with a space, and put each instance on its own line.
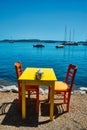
column 12, row 117
column 58, row 109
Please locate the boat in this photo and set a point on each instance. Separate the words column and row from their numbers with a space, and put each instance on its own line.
column 38, row 45
column 70, row 43
column 11, row 41
column 59, row 46
column 85, row 43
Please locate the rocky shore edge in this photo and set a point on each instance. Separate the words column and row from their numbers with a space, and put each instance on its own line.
column 14, row 88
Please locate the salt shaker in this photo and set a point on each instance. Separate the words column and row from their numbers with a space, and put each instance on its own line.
column 39, row 74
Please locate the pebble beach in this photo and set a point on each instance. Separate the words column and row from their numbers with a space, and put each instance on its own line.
column 75, row 119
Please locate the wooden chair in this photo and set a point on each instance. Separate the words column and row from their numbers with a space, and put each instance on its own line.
column 18, row 68
column 65, row 88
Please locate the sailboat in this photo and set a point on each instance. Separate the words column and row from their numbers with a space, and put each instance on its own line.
column 11, row 41
column 69, row 42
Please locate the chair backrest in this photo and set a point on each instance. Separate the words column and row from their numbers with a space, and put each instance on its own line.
column 18, row 68
column 70, row 75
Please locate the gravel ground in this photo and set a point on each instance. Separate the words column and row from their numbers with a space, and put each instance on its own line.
column 10, row 118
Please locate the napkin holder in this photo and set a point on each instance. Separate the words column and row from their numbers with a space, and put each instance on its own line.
column 39, row 74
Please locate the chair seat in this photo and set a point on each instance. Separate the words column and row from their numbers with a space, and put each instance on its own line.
column 61, row 86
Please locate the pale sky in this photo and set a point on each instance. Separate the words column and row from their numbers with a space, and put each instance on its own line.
column 43, row 19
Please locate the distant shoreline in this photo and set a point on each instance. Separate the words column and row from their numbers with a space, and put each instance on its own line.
column 30, row 40
column 35, row 40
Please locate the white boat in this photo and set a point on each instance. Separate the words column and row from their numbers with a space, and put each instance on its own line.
column 60, row 46
column 70, row 43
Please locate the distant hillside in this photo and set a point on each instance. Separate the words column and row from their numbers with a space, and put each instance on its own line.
column 29, row 40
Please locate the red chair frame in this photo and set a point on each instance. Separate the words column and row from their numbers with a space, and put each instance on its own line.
column 66, row 87
column 18, row 68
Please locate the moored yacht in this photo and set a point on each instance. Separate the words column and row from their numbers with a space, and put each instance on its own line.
column 70, row 43
column 59, row 46
column 85, row 43
column 38, row 45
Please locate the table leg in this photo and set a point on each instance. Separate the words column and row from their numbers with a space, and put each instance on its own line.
column 23, row 101
column 51, row 102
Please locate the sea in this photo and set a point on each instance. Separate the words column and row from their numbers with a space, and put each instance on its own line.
column 45, row 57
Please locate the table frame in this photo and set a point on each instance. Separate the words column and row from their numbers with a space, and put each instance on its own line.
column 50, row 83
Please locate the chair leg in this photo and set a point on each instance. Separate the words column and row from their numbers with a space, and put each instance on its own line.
column 28, row 94
column 19, row 96
column 64, row 97
column 49, row 93
column 37, row 101
column 19, row 100
column 68, row 102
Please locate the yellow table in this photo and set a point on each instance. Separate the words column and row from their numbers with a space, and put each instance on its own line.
column 48, row 78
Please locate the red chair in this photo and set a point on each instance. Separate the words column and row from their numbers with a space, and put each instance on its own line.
column 18, row 68
column 65, row 88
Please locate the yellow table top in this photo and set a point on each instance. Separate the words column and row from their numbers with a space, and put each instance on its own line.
column 30, row 74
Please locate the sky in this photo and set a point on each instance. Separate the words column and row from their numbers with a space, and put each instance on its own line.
column 43, row 19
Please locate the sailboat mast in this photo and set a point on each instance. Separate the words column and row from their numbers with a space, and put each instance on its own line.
column 73, row 34
column 65, row 33
column 70, row 36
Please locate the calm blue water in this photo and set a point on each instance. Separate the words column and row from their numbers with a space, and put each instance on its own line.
column 49, row 56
